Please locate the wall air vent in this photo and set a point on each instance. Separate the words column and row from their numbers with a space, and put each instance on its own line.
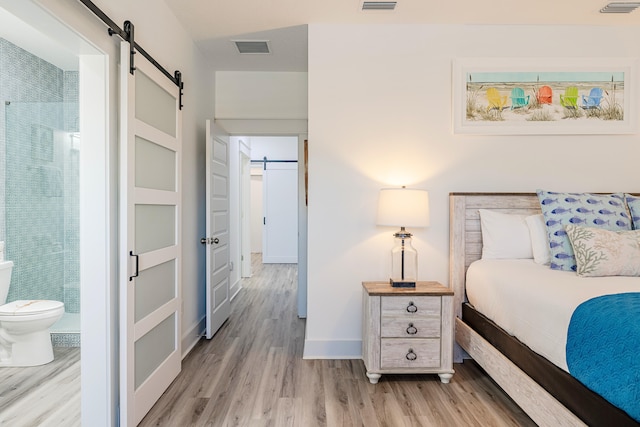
column 252, row 46
column 619, row 7
column 379, row 5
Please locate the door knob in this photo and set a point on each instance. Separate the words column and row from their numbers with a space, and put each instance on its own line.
column 208, row 240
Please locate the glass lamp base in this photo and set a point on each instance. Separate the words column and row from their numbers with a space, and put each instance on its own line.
column 402, row 284
column 404, row 262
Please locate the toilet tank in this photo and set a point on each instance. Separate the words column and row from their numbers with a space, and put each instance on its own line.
column 5, row 279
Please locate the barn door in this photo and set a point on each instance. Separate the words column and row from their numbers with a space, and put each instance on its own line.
column 150, row 260
column 280, row 210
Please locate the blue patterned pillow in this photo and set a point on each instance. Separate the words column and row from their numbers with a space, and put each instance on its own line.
column 607, row 211
column 634, row 207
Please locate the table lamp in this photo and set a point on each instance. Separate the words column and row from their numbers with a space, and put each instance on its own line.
column 403, row 207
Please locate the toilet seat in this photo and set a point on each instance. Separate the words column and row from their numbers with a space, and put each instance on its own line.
column 29, row 307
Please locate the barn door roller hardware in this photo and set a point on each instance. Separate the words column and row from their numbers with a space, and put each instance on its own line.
column 127, row 34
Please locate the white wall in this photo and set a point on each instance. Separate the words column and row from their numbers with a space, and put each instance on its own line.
column 173, row 48
column 261, row 103
column 380, row 115
column 274, row 147
column 261, row 95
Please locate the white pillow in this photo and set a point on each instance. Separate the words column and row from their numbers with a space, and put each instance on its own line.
column 504, row 236
column 539, row 239
column 605, row 253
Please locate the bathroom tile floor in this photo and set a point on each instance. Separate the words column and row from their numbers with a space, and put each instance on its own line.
column 47, row 395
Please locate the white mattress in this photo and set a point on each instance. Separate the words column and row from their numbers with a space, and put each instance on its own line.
column 534, row 303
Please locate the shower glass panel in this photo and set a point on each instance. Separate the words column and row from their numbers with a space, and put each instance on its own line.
column 41, row 202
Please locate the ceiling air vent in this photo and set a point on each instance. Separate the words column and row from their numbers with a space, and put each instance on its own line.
column 379, row 5
column 618, row 7
column 252, row 46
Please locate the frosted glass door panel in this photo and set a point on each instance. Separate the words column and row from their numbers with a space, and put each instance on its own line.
column 153, row 348
column 155, row 166
column 154, row 105
column 155, row 227
column 155, row 286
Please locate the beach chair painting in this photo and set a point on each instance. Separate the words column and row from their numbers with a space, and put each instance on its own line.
column 518, row 98
column 496, row 101
column 570, row 98
column 537, row 96
column 544, row 95
column 593, row 99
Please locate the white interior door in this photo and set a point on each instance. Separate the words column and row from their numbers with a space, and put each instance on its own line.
column 217, row 240
column 245, row 208
column 280, row 201
column 150, row 247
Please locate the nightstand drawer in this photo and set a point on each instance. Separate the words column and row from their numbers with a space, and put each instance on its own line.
column 402, row 327
column 409, row 353
column 410, row 306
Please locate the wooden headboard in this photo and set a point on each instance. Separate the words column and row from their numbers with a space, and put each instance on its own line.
column 465, row 237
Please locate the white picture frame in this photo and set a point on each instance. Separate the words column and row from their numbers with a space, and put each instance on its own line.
column 556, row 97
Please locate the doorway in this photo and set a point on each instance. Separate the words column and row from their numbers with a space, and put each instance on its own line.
column 65, row 140
column 274, row 176
column 284, row 157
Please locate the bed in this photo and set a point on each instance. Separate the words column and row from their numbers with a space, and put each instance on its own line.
column 546, row 392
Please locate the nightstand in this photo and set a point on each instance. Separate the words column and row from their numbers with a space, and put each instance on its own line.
column 407, row 330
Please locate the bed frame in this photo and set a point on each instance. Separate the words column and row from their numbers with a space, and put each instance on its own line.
column 548, row 394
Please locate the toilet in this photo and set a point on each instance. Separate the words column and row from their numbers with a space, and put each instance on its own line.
column 24, row 326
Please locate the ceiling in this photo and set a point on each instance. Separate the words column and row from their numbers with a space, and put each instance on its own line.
column 213, row 24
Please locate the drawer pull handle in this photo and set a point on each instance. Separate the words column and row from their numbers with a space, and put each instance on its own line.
column 411, row 355
column 411, row 308
column 412, row 330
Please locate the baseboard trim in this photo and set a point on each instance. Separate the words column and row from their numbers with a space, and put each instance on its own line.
column 234, row 290
column 191, row 338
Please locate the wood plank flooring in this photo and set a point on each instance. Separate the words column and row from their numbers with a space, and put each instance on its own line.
column 252, row 374
column 47, row 395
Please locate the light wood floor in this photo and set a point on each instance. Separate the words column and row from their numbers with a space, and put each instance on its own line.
column 47, row 395
column 252, row 374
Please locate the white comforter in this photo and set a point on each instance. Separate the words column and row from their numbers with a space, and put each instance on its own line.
column 534, row 303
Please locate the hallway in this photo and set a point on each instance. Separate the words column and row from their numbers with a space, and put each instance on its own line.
column 252, row 374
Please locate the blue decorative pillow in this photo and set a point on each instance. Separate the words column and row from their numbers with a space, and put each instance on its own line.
column 606, row 211
column 634, row 207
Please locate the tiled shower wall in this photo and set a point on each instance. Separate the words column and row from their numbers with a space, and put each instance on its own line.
column 39, row 195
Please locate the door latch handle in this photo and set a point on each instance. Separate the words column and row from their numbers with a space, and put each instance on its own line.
column 137, row 271
column 209, row 241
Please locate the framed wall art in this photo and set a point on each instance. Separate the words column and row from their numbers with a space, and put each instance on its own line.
column 538, row 96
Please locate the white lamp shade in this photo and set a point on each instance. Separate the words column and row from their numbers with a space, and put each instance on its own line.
column 403, row 207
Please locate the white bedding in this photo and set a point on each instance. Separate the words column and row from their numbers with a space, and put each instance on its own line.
column 534, row 303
